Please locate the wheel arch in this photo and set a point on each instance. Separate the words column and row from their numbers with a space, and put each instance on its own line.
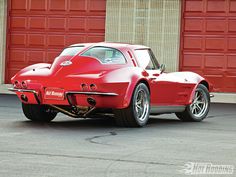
column 203, row 82
column 128, row 116
column 144, row 82
column 130, row 90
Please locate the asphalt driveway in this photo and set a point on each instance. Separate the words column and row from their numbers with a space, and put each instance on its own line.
column 70, row 147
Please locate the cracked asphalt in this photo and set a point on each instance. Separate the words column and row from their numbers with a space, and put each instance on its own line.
column 70, row 147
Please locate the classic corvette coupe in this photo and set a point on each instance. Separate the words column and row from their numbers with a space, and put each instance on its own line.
column 123, row 80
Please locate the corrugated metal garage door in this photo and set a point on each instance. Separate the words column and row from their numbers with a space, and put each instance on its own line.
column 208, row 41
column 39, row 29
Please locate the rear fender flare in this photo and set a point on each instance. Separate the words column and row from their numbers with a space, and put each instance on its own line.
column 131, row 87
column 31, row 67
column 203, row 82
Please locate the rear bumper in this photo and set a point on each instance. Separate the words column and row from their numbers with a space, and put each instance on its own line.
column 31, row 93
column 103, row 99
column 92, row 93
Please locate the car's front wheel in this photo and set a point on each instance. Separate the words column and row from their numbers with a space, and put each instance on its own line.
column 198, row 110
column 137, row 114
column 38, row 113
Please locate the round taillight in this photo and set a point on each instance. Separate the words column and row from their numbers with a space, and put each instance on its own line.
column 93, row 87
column 84, row 87
column 17, row 84
column 24, row 84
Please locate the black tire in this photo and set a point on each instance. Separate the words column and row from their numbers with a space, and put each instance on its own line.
column 38, row 113
column 137, row 114
column 198, row 110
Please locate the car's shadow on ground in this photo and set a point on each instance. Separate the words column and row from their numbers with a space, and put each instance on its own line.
column 98, row 123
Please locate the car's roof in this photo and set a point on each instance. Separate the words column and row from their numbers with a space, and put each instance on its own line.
column 111, row 44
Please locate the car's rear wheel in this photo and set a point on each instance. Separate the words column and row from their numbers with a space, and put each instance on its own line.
column 38, row 113
column 198, row 110
column 137, row 114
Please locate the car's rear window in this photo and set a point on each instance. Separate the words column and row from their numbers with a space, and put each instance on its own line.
column 71, row 51
column 106, row 55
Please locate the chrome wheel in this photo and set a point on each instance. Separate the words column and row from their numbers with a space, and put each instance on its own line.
column 200, row 104
column 137, row 113
column 141, row 105
column 198, row 110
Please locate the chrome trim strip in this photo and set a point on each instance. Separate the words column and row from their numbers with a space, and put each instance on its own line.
column 167, row 109
column 68, row 99
column 21, row 90
column 93, row 93
column 86, row 93
column 66, row 63
column 25, row 90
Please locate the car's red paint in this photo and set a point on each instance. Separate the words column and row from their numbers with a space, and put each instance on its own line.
column 172, row 89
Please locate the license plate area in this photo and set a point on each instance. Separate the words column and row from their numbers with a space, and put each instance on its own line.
column 54, row 94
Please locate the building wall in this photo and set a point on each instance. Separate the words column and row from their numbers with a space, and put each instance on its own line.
column 208, row 42
column 39, row 29
column 148, row 22
column 3, row 19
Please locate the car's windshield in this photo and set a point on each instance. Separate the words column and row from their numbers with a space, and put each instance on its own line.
column 71, row 51
column 106, row 55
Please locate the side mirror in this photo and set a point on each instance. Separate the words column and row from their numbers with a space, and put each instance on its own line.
column 162, row 68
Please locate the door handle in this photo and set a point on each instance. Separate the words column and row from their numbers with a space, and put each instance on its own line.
column 152, row 78
column 156, row 74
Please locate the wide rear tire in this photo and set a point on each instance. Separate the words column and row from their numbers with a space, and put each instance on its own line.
column 137, row 114
column 38, row 113
column 198, row 110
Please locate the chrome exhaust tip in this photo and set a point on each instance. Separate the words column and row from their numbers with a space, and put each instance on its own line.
column 91, row 101
column 24, row 98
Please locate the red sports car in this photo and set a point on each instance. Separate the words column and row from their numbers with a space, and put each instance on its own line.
column 125, row 80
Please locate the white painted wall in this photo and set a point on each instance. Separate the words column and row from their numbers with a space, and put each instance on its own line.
column 155, row 23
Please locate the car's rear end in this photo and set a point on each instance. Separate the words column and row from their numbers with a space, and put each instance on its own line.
column 74, row 82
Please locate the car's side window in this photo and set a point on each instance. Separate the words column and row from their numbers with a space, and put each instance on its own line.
column 106, row 55
column 146, row 59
